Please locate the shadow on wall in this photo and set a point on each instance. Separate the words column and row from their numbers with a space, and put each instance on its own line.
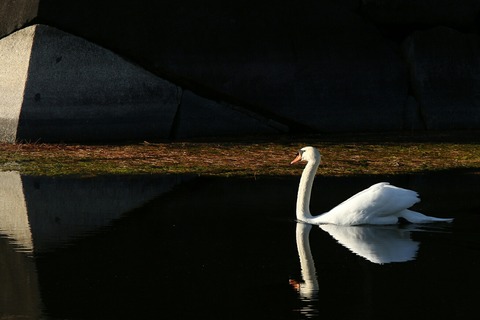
column 318, row 64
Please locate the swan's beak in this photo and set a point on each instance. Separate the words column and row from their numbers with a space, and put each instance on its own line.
column 297, row 159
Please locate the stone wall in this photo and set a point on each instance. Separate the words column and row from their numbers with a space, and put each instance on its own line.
column 314, row 66
column 59, row 87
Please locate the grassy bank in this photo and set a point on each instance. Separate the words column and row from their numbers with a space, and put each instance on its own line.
column 341, row 154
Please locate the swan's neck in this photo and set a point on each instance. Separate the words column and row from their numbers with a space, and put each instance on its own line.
column 305, row 190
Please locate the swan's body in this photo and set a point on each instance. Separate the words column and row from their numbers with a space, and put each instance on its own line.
column 382, row 203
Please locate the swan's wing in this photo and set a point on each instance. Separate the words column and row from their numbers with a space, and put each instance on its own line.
column 380, row 201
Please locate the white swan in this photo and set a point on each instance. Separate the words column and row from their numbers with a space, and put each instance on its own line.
column 382, row 203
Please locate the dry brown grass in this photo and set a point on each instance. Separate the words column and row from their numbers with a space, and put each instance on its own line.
column 341, row 156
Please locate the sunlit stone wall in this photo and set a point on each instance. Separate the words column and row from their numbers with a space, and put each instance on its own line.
column 14, row 57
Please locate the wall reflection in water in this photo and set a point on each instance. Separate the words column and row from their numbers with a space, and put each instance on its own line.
column 40, row 214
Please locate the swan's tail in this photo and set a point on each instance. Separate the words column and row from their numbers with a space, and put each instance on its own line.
column 417, row 217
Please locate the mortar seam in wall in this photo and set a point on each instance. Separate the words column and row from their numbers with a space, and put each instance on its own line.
column 176, row 118
column 412, row 88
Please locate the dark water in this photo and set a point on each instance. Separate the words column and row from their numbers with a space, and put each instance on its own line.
column 181, row 248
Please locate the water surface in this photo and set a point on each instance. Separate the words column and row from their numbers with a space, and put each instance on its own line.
column 223, row 248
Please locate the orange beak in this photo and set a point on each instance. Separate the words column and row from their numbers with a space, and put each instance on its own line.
column 297, row 159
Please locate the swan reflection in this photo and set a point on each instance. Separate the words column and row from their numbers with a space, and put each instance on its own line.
column 308, row 288
column 377, row 244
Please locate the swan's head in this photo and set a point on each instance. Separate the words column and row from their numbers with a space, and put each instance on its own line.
column 307, row 154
